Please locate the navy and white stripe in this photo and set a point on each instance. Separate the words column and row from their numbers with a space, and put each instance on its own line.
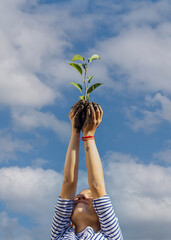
column 108, row 221
column 61, row 228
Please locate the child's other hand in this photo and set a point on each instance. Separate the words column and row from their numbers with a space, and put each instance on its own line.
column 75, row 116
column 93, row 119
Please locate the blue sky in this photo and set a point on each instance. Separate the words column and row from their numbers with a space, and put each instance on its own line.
column 37, row 40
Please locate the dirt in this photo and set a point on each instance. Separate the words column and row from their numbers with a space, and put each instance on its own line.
column 79, row 121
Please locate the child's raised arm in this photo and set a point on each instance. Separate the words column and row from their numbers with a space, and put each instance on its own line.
column 93, row 162
column 69, row 185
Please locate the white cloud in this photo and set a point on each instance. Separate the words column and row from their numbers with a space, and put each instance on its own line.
column 140, row 52
column 143, row 55
column 21, row 58
column 32, row 70
column 155, row 12
column 33, row 63
column 148, row 120
column 141, row 195
column 11, row 229
column 33, row 41
column 23, row 89
column 38, row 162
column 28, row 190
column 164, row 155
column 31, row 193
column 30, row 119
column 10, row 146
column 165, row 103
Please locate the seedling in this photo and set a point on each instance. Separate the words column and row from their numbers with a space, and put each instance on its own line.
column 82, row 69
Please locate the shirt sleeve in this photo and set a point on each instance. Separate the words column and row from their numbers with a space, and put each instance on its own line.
column 62, row 217
column 108, row 221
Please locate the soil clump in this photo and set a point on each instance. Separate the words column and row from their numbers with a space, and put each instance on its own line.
column 79, row 121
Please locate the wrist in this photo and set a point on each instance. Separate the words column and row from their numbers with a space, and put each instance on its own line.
column 87, row 138
column 75, row 133
column 89, row 133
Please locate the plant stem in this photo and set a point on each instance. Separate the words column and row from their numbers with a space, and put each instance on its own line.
column 85, row 84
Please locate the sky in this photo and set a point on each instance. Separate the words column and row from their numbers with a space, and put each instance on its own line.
column 38, row 38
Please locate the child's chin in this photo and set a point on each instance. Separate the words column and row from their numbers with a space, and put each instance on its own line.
column 80, row 208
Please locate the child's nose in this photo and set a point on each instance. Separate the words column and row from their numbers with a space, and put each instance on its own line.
column 82, row 196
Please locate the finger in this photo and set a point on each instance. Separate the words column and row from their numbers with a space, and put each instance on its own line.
column 80, row 102
column 80, row 108
column 96, row 109
column 93, row 115
column 72, row 112
column 88, row 112
column 98, row 117
column 101, row 111
column 94, row 105
column 74, row 108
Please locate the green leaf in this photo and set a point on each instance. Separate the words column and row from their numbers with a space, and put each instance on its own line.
column 77, row 57
column 76, row 66
column 89, row 78
column 77, row 85
column 81, row 97
column 93, row 57
column 94, row 86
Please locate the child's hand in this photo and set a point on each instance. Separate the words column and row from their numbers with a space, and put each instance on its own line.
column 93, row 119
column 75, row 116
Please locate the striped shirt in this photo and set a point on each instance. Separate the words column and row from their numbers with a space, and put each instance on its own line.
column 61, row 225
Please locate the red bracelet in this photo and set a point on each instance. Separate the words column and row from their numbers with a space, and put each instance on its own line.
column 85, row 138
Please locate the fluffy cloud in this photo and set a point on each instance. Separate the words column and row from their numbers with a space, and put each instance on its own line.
column 139, row 54
column 31, row 119
column 148, row 122
column 33, row 42
column 155, row 12
column 10, row 146
column 140, row 194
column 22, row 57
column 164, row 156
column 142, row 55
column 38, row 162
column 27, row 187
column 33, row 63
column 150, row 118
column 11, row 229
column 165, row 103
column 31, row 193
